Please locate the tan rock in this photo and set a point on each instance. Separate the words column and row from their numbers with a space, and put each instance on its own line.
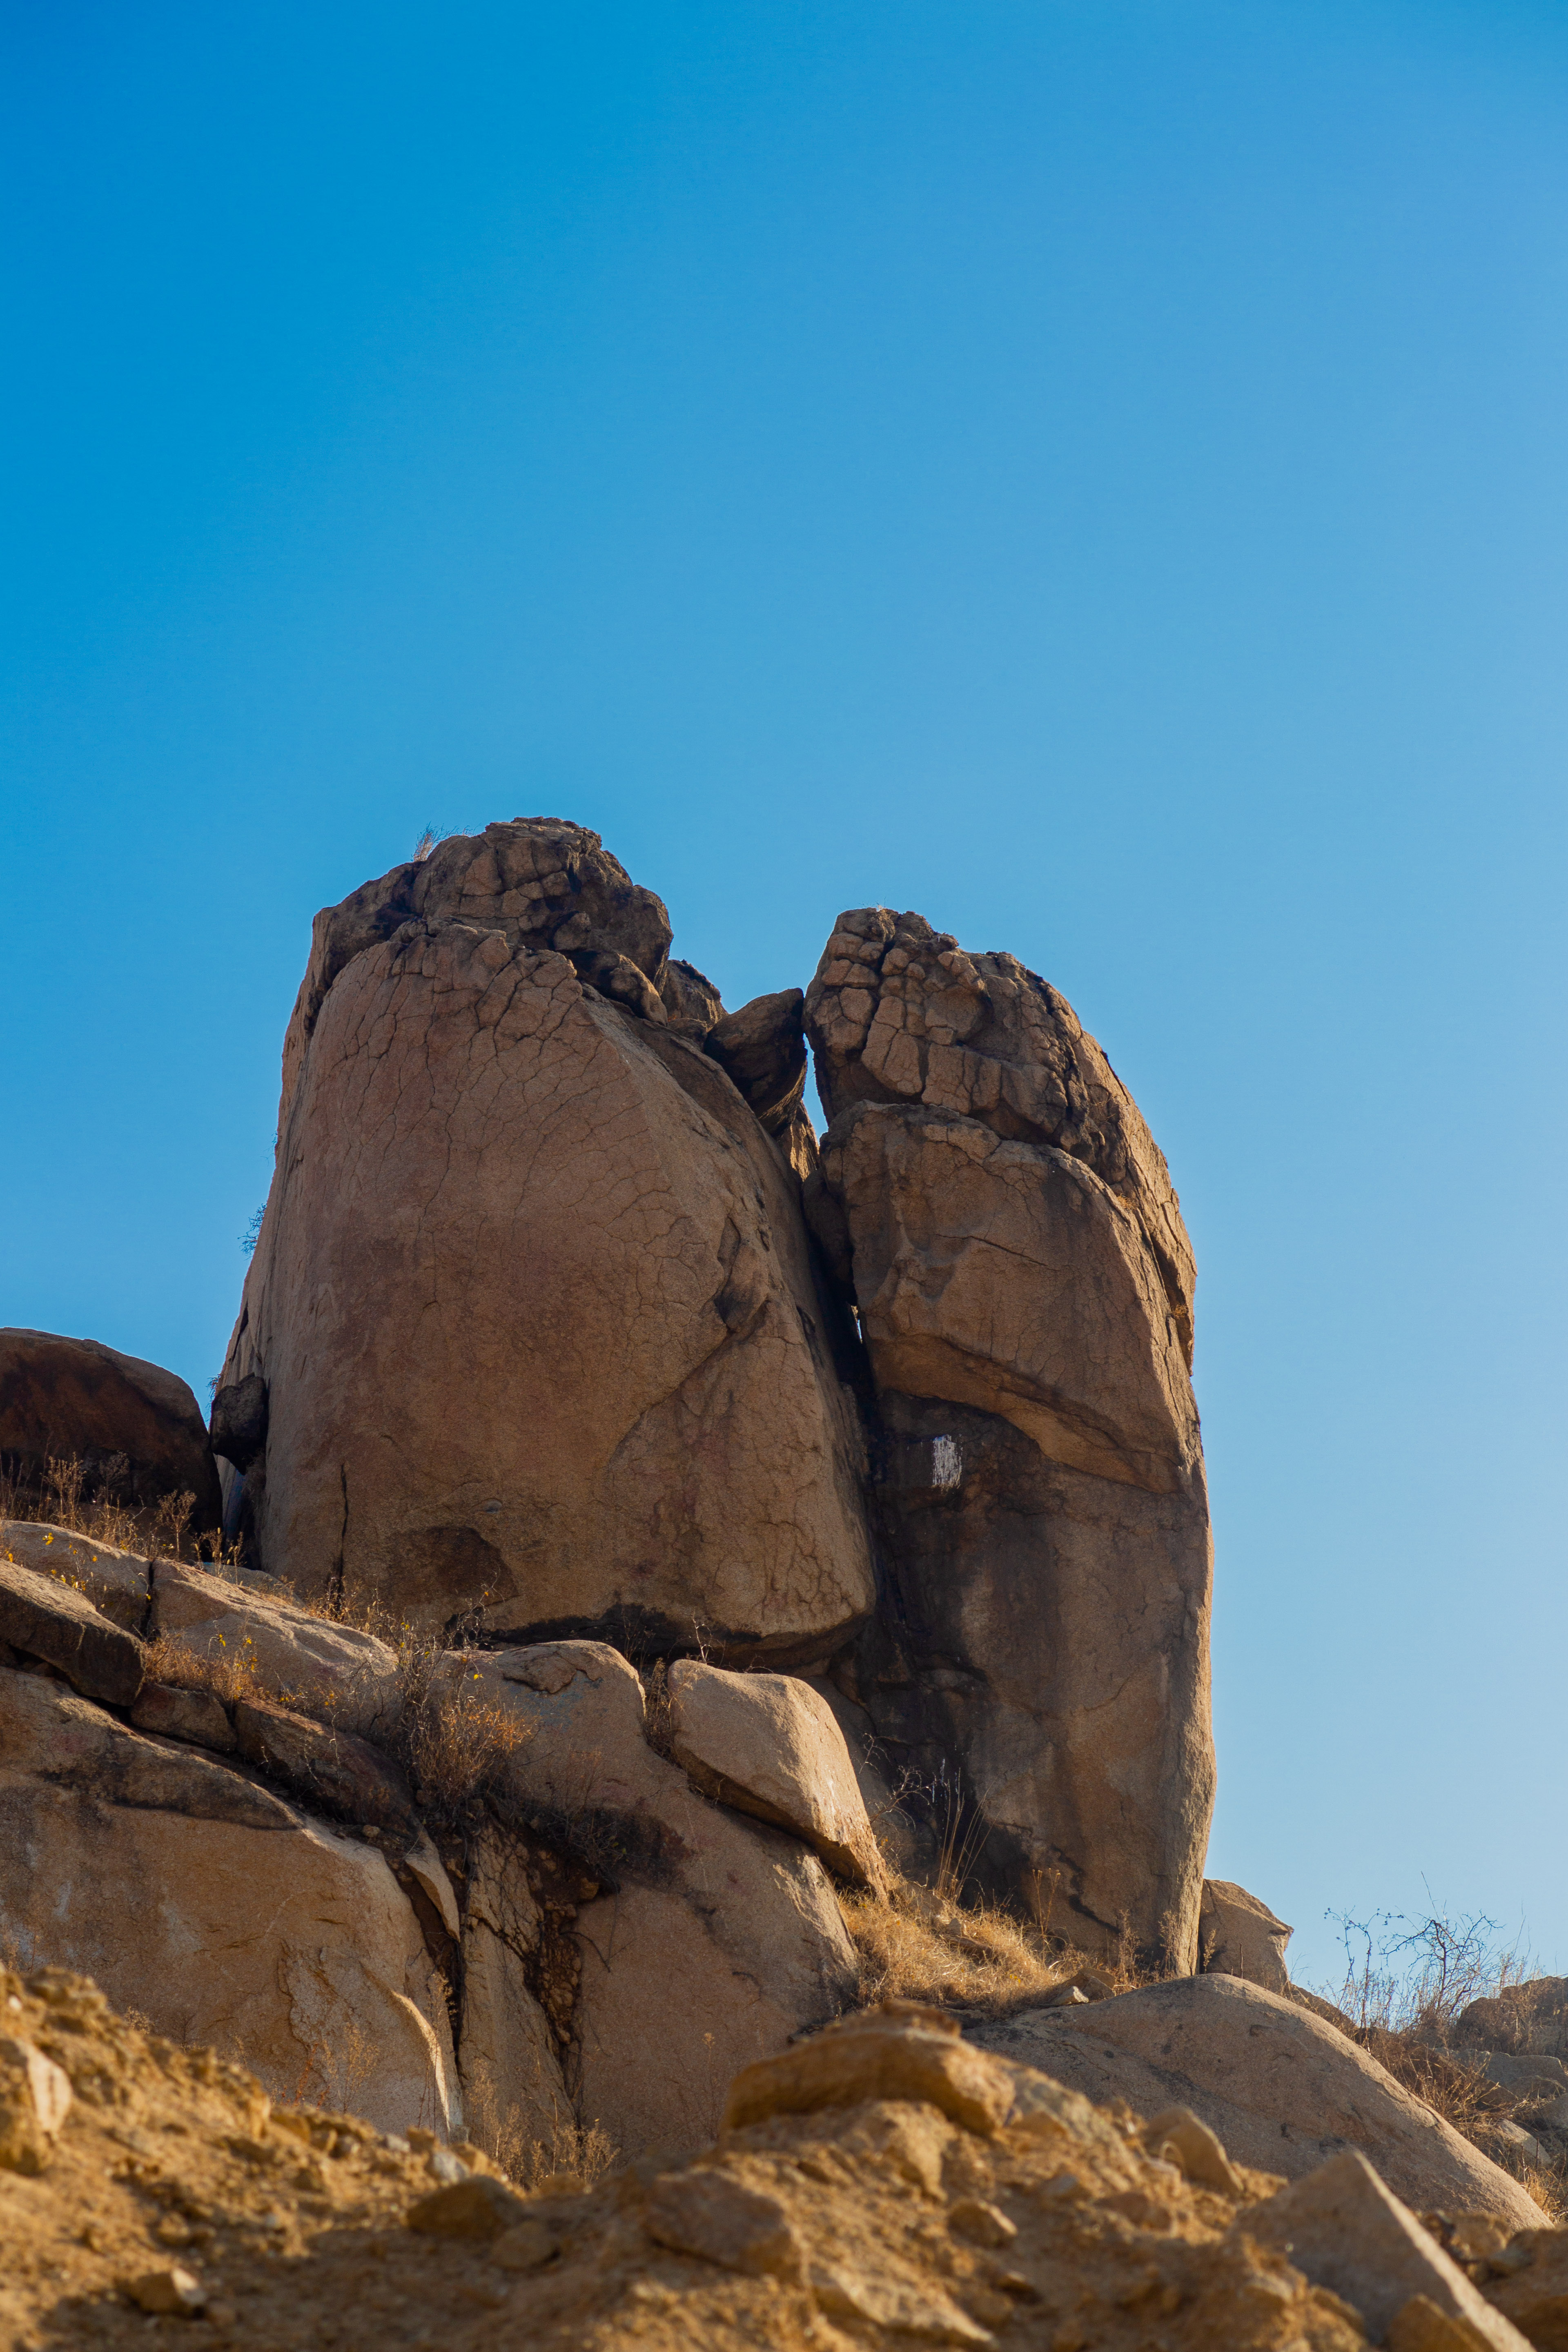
column 45, row 1619
column 610, row 1271
column 35, row 2100
column 190, row 1715
column 716, row 1938
column 1531, row 2019
column 427, row 1867
column 763, row 1049
column 479, row 2206
column 768, row 1745
column 1348, row 2233
column 1184, row 2141
column 899, row 1014
column 1529, row 2287
column 330, row 1771
column 136, row 1430
column 692, row 1005
column 1024, row 1282
column 1282, row 2091
column 217, row 1911
column 170, row 2292
column 1239, row 1937
column 513, row 2089
column 292, row 1651
column 722, row 2219
column 877, row 2057
column 118, row 1584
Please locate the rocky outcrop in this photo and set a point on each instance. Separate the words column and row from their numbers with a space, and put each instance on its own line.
column 134, row 1431
column 1282, row 2091
column 217, row 1910
column 768, row 1745
column 763, row 1049
column 1239, row 1937
column 503, row 1177
column 1007, row 1227
column 51, row 1622
column 714, row 1937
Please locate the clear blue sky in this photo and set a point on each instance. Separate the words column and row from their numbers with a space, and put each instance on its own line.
column 1097, row 474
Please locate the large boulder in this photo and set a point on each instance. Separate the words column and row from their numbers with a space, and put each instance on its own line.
column 218, row 1912
column 1009, row 1229
column 50, row 1621
column 135, row 1431
column 715, row 1937
column 1283, row 2091
column 533, row 1301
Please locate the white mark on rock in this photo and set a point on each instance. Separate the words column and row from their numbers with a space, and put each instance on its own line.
column 946, row 1461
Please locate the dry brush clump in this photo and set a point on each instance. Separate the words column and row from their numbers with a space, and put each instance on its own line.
column 916, row 1943
column 162, row 1530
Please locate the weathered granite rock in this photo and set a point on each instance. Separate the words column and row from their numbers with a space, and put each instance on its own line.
column 136, row 1430
column 1024, row 1283
column 510, row 2067
column 45, row 1619
column 1239, row 1937
column 715, row 1939
column 533, row 1299
column 762, row 1048
column 692, row 1005
column 1530, row 2018
column 217, row 1910
column 1282, row 2091
column 118, row 1584
column 238, row 1421
column 330, row 1771
column 768, row 1745
column 293, row 1651
column 194, row 1716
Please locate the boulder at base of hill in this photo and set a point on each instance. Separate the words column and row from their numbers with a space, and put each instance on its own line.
column 216, row 1911
column 768, row 1745
column 1341, row 2226
column 1282, row 2091
column 715, row 1939
column 1239, row 1937
column 135, row 1430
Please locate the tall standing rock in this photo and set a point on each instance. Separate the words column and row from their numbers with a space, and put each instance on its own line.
column 990, row 1194
column 533, row 1302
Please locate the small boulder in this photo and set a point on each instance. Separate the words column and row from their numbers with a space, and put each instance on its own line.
column 763, row 1049
column 239, row 1423
column 1239, row 1937
column 1531, row 2291
column 1185, row 2141
column 170, row 2293
column 721, row 2220
column 136, row 1430
column 1348, row 2233
column 292, row 1650
column 193, row 1715
column 478, row 2206
column 691, row 1003
column 35, row 2100
column 327, row 1768
column 877, row 2055
column 768, row 1745
column 47, row 1620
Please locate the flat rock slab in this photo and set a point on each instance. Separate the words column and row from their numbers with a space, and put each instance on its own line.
column 291, row 1649
column 47, row 1620
column 1282, row 2091
column 768, row 1745
column 323, row 1767
column 118, row 1584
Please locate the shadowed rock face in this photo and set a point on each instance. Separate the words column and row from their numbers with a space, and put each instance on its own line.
column 135, row 1431
column 992, row 1198
column 533, row 1300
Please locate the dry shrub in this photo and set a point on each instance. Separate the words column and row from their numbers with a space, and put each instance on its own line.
column 570, row 2148
column 231, row 1674
column 155, row 1531
column 922, row 1945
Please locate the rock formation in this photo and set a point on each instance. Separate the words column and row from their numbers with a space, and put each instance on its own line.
column 133, row 1431
column 533, row 1307
column 993, row 1204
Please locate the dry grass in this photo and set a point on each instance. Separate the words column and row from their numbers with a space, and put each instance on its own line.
column 230, row 1675
column 568, row 2152
column 918, row 1944
column 161, row 1532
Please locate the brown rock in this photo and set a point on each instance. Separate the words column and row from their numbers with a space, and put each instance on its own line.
column 1282, row 2091
column 1523, row 2019
column 1185, row 2141
column 611, row 1273
column 238, row 1422
column 507, row 2054
column 190, row 1715
column 327, row 1768
column 1024, row 1283
column 1348, row 2233
column 768, row 1745
column 1532, row 2292
column 170, row 2292
column 1239, row 1937
column 692, row 1005
column 45, row 1619
column 218, row 1912
column 135, row 1429
column 720, row 2219
column 479, row 2206
column 877, row 2057
column 762, row 1048
column 716, row 1938
column 35, row 2100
